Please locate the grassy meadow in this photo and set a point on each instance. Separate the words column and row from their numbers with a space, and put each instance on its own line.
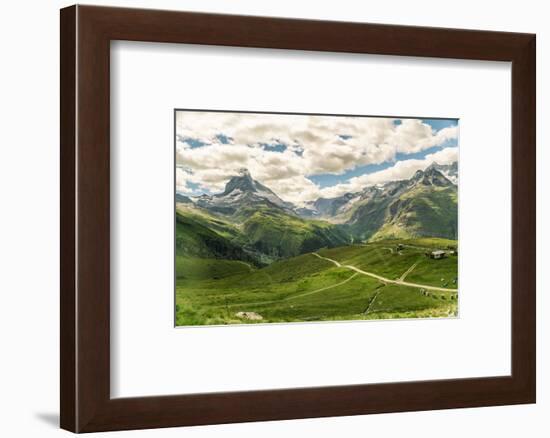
column 380, row 280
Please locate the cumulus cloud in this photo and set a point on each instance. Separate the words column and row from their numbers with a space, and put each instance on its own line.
column 212, row 146
column 401, row 170
column 414, row 136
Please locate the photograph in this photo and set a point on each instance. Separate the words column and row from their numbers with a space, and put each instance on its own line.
column 285, row 218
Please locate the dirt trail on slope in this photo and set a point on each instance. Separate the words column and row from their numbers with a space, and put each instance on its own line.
column 384, row 279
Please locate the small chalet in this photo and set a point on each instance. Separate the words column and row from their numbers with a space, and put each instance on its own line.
column 437, row 254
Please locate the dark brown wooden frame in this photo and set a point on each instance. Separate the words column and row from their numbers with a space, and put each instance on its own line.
column 86, row 33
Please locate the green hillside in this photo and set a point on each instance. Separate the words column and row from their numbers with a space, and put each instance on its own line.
column 421, row 212
column 310, row 288
column 196, row 237
column 386, row 259
column 367, row 218
column 278, row 235
column 260, row 235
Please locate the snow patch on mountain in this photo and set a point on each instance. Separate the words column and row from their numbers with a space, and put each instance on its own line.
column 242, row 191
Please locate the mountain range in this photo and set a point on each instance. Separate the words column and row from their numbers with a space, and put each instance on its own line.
column 250, row 222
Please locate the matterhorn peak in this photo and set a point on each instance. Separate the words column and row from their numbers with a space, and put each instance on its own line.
column 242, row 181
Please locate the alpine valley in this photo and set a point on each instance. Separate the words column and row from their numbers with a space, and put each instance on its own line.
column 250, row 223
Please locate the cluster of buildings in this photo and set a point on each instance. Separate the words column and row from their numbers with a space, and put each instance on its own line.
column 437, row 253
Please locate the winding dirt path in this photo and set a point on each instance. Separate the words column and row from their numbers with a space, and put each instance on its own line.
column 384, row 279
column 292, row 297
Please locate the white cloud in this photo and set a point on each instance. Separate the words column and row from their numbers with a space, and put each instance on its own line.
column 297, row 189
column 414, row 136
column 444, row 156
column 313, row 145
column 401, row 170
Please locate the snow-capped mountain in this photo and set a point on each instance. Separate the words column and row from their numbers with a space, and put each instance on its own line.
column 242, row 191
column 450, row 171
column 266, row 227
column 333, row 206
column 424, row 205
column 439, row 175
column 431, row 176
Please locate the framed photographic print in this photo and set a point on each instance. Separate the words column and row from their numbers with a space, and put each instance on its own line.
column 266, row 218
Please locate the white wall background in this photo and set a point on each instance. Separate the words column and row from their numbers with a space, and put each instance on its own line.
column 29, row 216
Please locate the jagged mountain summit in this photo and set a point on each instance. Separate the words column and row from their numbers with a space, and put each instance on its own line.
column 437, row 175
column 449, row 171
column 424, row 205
column 242, row 191
column 243, row 182
column 431, row 176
